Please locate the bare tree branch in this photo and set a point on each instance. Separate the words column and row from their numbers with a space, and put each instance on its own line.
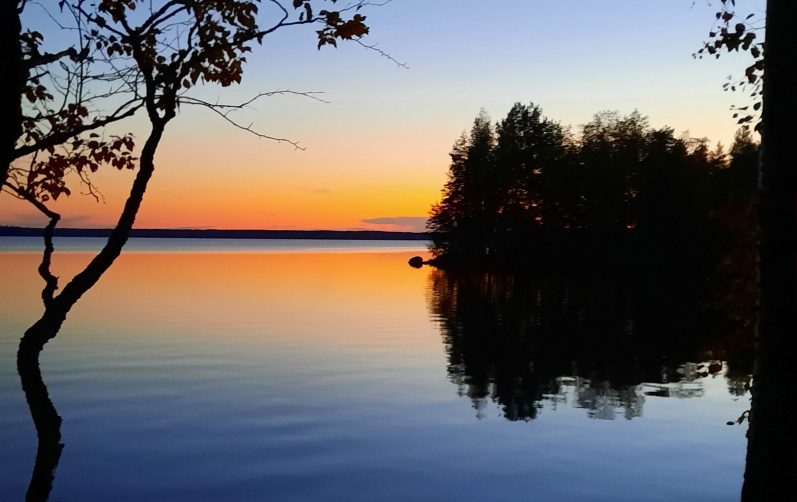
column 247, row 128
column 224, row 110
column 47, row 58
column 382, row 53
column 306, row 94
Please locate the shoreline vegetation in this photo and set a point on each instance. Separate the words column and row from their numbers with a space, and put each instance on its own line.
column 528, row 194
column 616, row 256
column 168, row 233
column 619, row 236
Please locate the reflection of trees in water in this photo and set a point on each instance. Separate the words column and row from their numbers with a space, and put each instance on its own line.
column 601, row 344
column 602, row 401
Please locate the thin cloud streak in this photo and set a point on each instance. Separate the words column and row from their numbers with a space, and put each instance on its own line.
column 399, row 223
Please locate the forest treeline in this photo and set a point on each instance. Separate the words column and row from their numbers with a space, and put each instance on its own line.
column 528, row 191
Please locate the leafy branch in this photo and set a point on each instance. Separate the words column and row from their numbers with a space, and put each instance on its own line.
column 732, row 33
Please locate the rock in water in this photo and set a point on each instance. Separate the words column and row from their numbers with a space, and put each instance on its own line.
column 416, row 262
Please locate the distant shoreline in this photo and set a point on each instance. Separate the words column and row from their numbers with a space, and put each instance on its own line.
column 166, row 233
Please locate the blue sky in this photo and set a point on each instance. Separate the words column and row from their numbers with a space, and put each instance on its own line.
column 379, row 148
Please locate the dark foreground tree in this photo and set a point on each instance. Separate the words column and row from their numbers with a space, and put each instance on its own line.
column 169, row 47
column 59, row 102
column 772, row 441
column 11, row 83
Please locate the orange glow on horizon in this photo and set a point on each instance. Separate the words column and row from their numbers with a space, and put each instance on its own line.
column 269, row 187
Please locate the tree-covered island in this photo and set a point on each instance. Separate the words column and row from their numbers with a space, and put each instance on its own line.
column 529, row 193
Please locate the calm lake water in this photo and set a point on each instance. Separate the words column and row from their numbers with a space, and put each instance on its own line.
column 331, row 370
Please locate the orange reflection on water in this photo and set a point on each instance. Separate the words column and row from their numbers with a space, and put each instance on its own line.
column 252, row 296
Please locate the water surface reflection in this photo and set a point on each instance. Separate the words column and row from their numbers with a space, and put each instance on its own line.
column 323, row 376
column 595, row 343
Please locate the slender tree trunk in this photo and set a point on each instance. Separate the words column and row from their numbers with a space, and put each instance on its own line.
column 89, row 276
column 43, row 412
column 772, row 439
column 12, row 82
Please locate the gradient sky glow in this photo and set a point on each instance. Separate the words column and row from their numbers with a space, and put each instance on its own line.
column 378, row 150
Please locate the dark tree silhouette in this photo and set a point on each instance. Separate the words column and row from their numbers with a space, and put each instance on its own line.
column 532, row 160
column 621, row 194
column 772, row 442
column 163, row 53
column 11, row 83
column 63, row 99
column 611, row 152
column 734, row 33
column 772, row 77
column 468, row 203
column 176, row 46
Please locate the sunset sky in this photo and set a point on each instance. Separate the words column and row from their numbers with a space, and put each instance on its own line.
column 377, row 153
